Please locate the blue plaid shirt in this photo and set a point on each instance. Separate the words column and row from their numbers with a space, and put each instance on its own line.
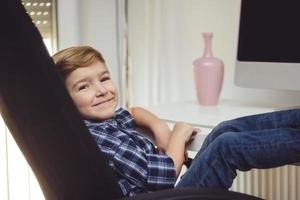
column 134, row 159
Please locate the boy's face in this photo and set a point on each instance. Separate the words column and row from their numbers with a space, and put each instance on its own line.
column 93, row 91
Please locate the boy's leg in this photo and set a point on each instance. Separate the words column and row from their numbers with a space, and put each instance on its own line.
column 216, row 166
column 272, row 120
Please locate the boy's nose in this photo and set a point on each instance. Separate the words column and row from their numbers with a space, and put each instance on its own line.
column 101, row 90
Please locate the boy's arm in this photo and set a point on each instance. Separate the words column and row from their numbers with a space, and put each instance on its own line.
column 181, row 134
column 158, row 127
column 172, row 142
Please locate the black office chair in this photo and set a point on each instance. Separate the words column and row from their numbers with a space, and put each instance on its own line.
column 47, row 127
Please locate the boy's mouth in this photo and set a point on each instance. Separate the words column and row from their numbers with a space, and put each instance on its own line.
column 103, row 102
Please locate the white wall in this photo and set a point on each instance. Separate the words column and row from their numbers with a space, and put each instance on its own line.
column 185, row 20
column 90, row 22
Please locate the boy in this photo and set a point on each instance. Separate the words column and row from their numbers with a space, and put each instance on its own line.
column 260, row 141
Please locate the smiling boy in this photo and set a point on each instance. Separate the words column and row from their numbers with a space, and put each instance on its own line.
column 137, row 163
column 93, row 91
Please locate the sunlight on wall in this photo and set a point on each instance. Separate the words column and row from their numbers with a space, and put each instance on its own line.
column 17, row 179
column 48, row 44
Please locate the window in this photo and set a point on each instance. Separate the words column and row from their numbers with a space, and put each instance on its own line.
column 43, row 14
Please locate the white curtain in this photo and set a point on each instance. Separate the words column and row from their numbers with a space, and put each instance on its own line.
column 153, row 47
column 164, row 39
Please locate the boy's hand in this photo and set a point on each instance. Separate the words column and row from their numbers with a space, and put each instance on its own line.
column 182, row 133
column 186, row 129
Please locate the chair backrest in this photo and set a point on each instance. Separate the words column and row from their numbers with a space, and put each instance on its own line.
column 42, row 118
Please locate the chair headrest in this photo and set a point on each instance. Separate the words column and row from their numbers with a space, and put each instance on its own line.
column 41, row 116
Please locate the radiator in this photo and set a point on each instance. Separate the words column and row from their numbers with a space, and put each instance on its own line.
column 281, row 183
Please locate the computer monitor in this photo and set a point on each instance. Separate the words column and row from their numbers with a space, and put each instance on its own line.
column 268, row 53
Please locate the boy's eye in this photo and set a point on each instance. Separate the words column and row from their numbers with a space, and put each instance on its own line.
column 82, row 87
column 105, row 79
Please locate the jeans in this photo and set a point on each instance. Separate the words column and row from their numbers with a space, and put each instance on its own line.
column 258, row 141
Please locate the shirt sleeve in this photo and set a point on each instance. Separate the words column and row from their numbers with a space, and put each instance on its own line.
column 154, row 171
column 125, row 119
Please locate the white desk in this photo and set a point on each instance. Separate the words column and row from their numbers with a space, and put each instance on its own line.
column 206, row 117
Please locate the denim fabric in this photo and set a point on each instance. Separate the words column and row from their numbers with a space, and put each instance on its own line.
column 258, row 141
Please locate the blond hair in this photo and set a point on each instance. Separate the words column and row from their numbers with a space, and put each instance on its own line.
column 72, row 58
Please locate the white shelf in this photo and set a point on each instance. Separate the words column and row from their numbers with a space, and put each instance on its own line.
column 207, row 116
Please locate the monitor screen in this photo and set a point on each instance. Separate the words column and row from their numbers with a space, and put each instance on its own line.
column 268, row 54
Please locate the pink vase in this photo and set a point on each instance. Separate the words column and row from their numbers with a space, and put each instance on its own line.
column 208, row 74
